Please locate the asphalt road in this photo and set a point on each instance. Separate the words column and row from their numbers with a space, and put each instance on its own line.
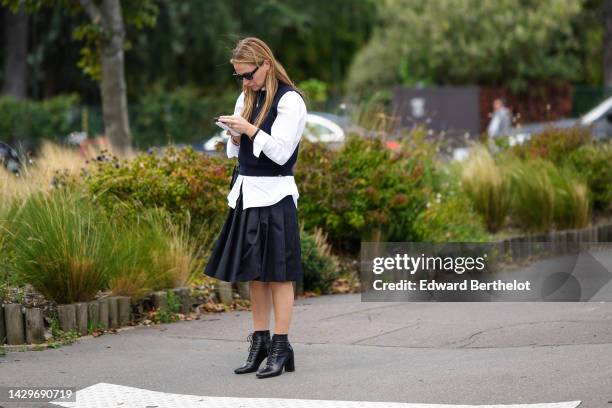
column 345, row 349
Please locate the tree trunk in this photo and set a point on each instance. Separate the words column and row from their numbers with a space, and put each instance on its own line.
column 607, row 68
column 15, row 54
column 112, row 85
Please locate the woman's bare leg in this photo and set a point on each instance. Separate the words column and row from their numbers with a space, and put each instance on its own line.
column 261, row 304
column 282, row 296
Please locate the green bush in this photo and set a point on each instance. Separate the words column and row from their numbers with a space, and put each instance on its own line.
column 52, row 118
column 321, row 268
column 316, row 93
column 458, row 42
column 594, row 163
column 365, row 187
column 553, row 144
column 315, row 180
column 450, row 217
column 187, row 184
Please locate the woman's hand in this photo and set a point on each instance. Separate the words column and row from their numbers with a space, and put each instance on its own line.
column 239, row 124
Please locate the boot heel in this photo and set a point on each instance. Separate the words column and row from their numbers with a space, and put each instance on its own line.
column 290, row 364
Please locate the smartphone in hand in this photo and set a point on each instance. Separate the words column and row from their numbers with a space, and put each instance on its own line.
column 225, row 127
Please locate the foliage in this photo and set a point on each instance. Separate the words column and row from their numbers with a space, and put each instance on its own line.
column 371, row 188
column 573, row 148
column 182, row 181
column 66, row 247
column 180, row 115
column 62, row 246
column 135, row 13
column 439, row 221
column 488, row 186
column 544, row 196
column 321, row 268
column 316, row 93
column 313, row 175
column 168, row 314
column 471, row 42
column 58, row 336
column 315, row 39
column 29, row 120
column 192, row 42
column 553, row 144
column 594, row 163
column 152, row 254
column 572, row 205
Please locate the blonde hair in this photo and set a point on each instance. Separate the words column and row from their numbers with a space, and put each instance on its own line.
column 252, row 50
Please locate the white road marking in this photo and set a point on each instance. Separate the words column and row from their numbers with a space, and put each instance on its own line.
column 104, row 395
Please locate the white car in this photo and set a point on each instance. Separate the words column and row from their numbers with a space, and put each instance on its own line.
column 318, row 129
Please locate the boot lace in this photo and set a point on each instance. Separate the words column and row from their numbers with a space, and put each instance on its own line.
column 251, row 339
column 273, row 352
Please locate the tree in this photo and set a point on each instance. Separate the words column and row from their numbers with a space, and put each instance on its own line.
column 103, row 53
column 108, row 17
column 607, row 66
column 15, row 53
column 504, row 42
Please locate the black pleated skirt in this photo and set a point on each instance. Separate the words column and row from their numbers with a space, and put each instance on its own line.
column 259, row 243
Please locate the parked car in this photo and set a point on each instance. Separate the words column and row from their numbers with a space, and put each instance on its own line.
column 319, row 128
column 598, row 119
column 9, row 159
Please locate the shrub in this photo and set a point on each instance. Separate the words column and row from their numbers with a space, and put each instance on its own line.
column 62, row 246
column 450, row 217
column 365, row 191
column 594, row 163
column 52, row 118
column 316, row 91
column 321, row 268
column 488, row 186
column 186, row 184
column 375, row 189
column 316, row 183
column 553, row 144
column 68, row 250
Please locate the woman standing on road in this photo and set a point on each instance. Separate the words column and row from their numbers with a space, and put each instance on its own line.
column 260, row 240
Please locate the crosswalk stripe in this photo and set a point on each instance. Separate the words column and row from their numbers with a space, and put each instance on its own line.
column 105, row 395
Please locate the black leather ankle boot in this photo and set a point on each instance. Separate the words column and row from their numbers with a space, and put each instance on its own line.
column 258, row 351
column 280, row 355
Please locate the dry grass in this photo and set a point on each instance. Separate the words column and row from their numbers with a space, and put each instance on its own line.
column 51, row 159
column 488, row 187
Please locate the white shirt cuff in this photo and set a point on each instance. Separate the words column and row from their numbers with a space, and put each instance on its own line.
column 232, row 149
column 260, row 141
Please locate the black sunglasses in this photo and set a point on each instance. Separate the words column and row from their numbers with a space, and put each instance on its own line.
column 246, row 75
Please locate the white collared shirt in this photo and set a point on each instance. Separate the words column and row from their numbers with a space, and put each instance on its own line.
column 286, row 132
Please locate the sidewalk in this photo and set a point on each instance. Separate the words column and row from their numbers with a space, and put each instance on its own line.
column 345, row 349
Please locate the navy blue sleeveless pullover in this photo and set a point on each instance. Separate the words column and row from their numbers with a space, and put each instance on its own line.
column 263, row 165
